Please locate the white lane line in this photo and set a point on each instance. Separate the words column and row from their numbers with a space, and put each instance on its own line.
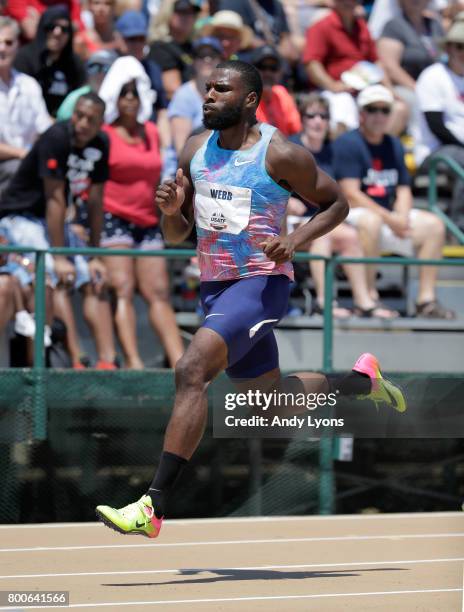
column 246, row 568
column 164, row 602
column 140, row 546
column 463, row 588
column 259, row 519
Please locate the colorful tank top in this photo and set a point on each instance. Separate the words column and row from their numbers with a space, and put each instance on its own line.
column 237, row 206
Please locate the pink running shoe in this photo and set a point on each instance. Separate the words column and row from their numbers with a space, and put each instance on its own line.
column 382, row 391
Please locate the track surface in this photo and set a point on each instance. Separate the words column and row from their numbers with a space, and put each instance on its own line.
column 400, row 562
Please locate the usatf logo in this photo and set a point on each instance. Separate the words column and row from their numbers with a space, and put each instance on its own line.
column 218, row 221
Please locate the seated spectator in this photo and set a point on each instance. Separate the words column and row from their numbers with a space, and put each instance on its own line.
column 15, row 290
column 301, row 15
column 268, row 21
column 369, row 165
column 28, row 12
column 99, row 30
column 440, row 92
column 185, row 111
column 23, row 115
column 232, row 33
column 50, row 58
column 96, row 67
column 68, row 162
column 343, row 239
column 277, row 106
column 335, row 44
column 409, row 43
column 130, row 219
column 171, row 48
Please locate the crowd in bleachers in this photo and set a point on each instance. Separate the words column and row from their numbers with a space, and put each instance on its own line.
column 98, row 97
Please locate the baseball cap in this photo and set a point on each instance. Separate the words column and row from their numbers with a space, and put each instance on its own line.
column 187, row 5
column 132, row 23
column 264, row 52
column 207, row 41
column 373, row 94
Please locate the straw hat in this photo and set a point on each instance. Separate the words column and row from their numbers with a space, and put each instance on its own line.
column 231, row 20
column 455, row 34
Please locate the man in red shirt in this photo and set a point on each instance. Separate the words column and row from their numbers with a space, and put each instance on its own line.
column 277, row 106
column 334, row 45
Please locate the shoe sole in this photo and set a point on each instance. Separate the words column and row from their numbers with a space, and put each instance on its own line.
column 106, row 521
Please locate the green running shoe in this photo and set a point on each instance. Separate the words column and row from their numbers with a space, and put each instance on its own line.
column 137, row 518
column 383, row 391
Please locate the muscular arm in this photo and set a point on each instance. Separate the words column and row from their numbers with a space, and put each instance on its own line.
column 177, row 227
column 294, row 167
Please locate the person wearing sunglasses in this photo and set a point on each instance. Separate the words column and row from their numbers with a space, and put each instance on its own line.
column 440, row 91
column 344, row 239
column 277, row 106
column 185, row 110
column 23, row 115
column 96, row 68
column 369, row 165
column 50, row 59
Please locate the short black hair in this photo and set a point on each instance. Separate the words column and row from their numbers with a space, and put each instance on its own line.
column 91, row 96
column 251, row 78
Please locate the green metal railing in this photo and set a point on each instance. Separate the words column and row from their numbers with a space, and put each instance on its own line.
column 326, row 483
column 433, row 194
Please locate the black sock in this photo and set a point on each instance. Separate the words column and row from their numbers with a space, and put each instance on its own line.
column 354, row 383
column 169, row 468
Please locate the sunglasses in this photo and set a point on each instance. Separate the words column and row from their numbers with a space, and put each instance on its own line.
column 458, row 46
column 268, row 67
column 372, row 110
column 205, row 55
column 324, row 116
column 51, row 27
column 7, row 42
column 97, row 68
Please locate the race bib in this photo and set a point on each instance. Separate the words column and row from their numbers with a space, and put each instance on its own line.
column 222, row 208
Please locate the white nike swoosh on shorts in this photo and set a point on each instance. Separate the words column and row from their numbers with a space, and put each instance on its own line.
column 257, row 327
column 214, row 314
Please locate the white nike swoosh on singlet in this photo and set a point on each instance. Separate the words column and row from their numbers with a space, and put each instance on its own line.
column 214, row 314
column 258, row 326
column 246, row 161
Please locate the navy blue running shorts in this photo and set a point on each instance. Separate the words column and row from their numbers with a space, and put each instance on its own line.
column 244, row 313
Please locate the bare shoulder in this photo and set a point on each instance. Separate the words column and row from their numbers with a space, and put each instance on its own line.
column 191, row 147
column 285, row 159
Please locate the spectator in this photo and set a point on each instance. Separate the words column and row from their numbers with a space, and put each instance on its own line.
column 28, row 12
column 131, row 220
column 409, row 43
column 277, row 106
column 96, row 67
column 99, row 30
column 343, row 239
column 68, row 162
column 440, row 91
column 268, row 21
column 50, row 58
column 15, row 290
column 23, row 115
column 132, row 27
column 232, row 33
column 186, row 108
column 335, row 44
column 369, row 165
column 172, row 47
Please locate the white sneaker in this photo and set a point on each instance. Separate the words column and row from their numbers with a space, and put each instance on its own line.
column 24, row 324
column 47, row 336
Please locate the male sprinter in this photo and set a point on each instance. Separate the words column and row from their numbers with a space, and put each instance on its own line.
column 235, row 181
